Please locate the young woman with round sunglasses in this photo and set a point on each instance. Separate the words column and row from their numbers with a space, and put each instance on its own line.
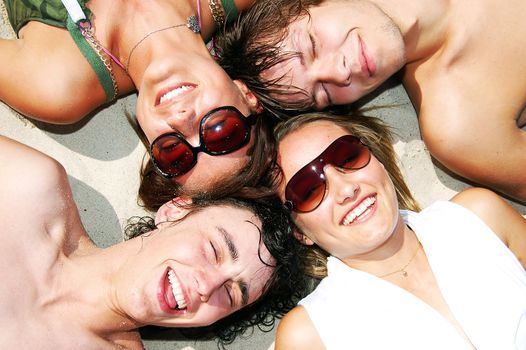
column 198, row 262
column 447, row 277
column 104, row 50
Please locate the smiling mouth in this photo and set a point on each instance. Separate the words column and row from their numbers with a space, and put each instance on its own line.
column 362, row 209
column 170, row 94
column 365, row 61
column 180, row 302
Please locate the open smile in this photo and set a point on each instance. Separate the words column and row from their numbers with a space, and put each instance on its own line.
column 169, row 94
column 360, row 211
column 172, row 297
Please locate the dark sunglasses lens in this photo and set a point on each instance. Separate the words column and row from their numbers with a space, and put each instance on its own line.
column 347, row 152
column 225, row 131
column 306, row 190
column 172, row 156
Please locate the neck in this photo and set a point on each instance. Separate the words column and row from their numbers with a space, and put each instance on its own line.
column 86, row 291
column 122, row 25
column 424, row 25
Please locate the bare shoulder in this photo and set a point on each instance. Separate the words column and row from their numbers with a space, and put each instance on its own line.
column 508, row 224
column 487, row 205
column 296, row 331
column 34, row 185
column 35, row 196
column 27, row 169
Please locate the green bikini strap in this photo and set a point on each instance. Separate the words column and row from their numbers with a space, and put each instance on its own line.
column 91, row 56
column 230, row 10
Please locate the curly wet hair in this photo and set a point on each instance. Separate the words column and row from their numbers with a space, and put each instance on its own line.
column 287, row 284
column 251, row 45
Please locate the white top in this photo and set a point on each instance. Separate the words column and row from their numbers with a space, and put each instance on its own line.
column 481, row 280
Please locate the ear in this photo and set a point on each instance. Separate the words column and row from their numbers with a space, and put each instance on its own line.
column 172, row 210
column 250, row 98
column 302, row 237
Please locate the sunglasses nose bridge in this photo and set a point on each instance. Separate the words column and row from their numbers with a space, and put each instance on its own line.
column 338, row 185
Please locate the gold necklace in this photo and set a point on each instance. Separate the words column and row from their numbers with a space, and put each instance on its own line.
column 402, row 269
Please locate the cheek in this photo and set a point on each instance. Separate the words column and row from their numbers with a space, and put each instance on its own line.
column 311, row 225
column 213, row 310
column 223, row 92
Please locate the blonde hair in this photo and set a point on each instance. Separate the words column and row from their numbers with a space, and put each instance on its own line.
column 377, row 136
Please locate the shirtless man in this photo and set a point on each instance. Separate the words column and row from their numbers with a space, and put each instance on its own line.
column 60, row 291
column 462, row 66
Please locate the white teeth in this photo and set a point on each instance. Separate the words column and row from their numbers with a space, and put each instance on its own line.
column 176, row 290
column 176, row 92
column 359, row 210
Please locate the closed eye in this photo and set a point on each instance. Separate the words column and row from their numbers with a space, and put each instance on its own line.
column 216, row 254
column 320, row 96
column 229, row 294
column 328, row 97
column 313, row 46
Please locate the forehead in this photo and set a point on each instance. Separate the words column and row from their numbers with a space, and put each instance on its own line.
column 238, row 221
column 236, row 227
column 305, row 143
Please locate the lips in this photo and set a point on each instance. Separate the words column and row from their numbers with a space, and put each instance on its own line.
column 359, row 211
column 366, row 61
column 168, row 94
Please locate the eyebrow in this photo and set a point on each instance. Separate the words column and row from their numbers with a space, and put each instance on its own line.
column 232, row 249
column 234, row 254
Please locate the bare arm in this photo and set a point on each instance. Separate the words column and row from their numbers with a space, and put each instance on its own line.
column 503, row 219
column 244, row 4
column 45, row 76
column 296, row 332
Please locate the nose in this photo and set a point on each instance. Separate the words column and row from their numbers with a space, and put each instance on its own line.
column 186, row 123
column 340, row 184
column 208, row 282
column 333, row 70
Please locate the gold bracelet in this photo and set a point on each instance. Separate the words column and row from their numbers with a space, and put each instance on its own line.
column 218, row 13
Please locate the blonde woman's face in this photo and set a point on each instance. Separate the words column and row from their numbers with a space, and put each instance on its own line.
column 359, row 211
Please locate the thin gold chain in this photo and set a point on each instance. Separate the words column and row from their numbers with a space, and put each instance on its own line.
column 402, row 269
column 192, row 23
column 90, row 37
column 146, row 37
